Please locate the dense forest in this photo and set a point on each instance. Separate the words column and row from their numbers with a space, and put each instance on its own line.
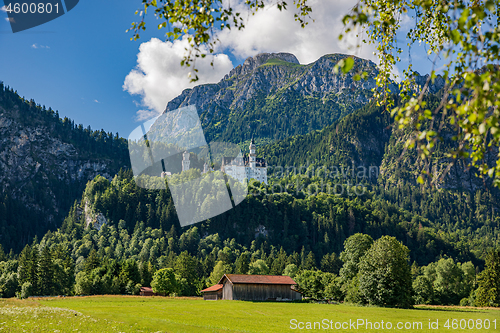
column 362, row 149
column 304, row 235
column 39, row 185
column 359, row 138
column 302, row 116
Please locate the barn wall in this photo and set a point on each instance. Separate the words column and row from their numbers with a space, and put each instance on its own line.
column 263, row 292
column 296, row 296
column 210, row 295
column 227, row 290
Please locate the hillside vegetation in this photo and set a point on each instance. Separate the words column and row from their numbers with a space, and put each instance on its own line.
column 45, row 162
column 334, row 180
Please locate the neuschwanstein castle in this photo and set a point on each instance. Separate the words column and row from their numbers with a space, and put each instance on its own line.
column 246, row 167
column 239, row 168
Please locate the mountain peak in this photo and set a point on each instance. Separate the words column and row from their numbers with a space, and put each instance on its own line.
column 260, row 59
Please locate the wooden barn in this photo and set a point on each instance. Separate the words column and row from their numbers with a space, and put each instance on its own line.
column 147, row 291
column 253, row 288
column 212, row 293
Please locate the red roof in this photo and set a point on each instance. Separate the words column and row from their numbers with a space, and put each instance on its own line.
column 147, row 289
column 259, row 279
column 215, row 287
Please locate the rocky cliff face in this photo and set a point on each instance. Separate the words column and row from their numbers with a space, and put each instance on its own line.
column 400, row 166
column 29, row 152
column 275, row 76
column 272, row 72
column 40, row 176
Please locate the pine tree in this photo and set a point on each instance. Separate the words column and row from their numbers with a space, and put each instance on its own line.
column 302, row 257
column 24, row 265
column 28, row 267
column 68, row 277
column 46, row 272
column 3, row 257
column 488, row 293
column 279, row 264
column 242, row 264
column 130, row 272
column 147, row 271
column 310, row 261
column 293, row 259
column 93, row 261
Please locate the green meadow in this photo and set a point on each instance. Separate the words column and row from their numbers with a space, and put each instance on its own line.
column 160, row 314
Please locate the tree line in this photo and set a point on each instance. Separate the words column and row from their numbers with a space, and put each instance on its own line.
column 366, row 272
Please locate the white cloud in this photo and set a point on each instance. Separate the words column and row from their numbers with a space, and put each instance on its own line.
column 10, row 19
column 158, row 76
column 36, row 46
column 96, row 101
column 3, row 9
column 270, row 30
column 143, row 115
column 406, row 21
column 396, row 74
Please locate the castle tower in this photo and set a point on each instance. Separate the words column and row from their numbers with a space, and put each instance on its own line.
column 252, row 159
column 185, row 161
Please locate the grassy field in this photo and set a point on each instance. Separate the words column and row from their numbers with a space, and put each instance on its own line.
column 158, row 314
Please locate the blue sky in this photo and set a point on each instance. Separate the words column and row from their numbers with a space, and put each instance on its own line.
column 78, row 63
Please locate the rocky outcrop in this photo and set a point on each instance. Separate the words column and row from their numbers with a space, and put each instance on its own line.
column 401, row 166
column 274, row 74
column 41, row 171
column 270, row 72
column 93, row 218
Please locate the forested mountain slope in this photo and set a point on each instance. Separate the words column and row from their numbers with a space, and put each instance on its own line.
column 293, row 220
column 358, row 139
column 307, row 113
column 45, row 162
column 362, row 148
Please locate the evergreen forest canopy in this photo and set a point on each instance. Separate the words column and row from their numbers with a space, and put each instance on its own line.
column 310, row 237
